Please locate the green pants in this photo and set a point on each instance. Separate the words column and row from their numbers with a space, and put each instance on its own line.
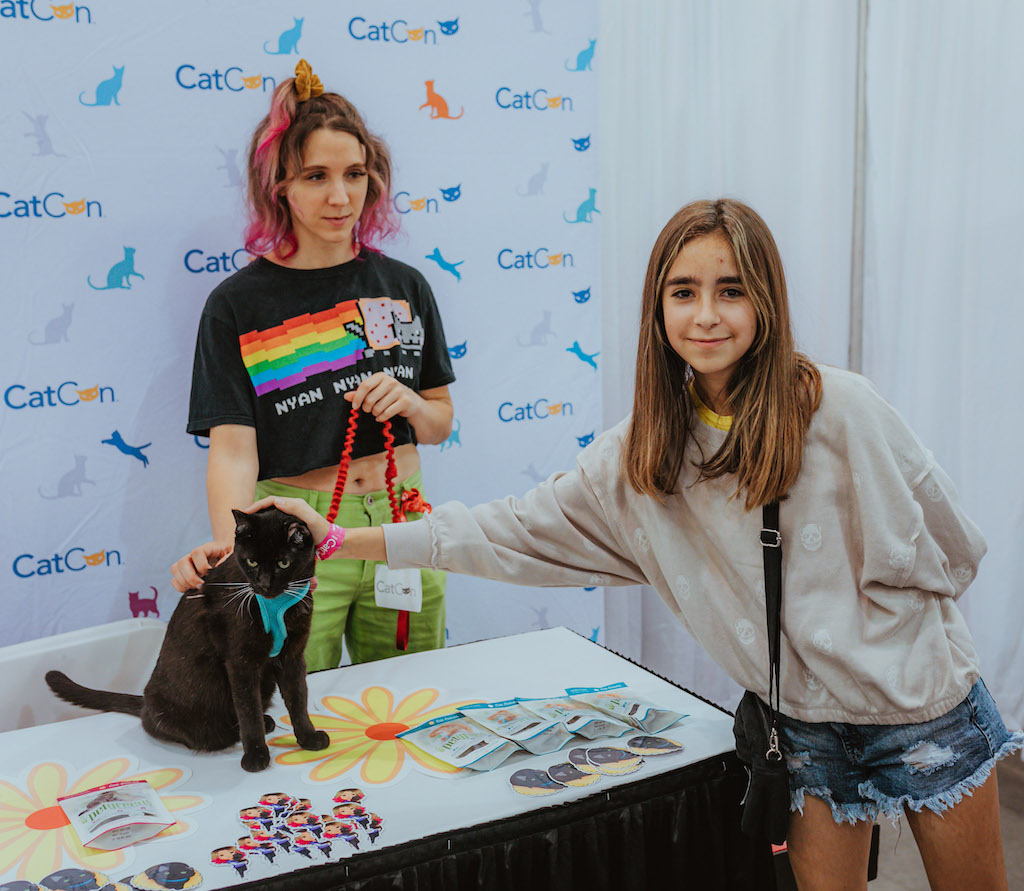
column 343, row 603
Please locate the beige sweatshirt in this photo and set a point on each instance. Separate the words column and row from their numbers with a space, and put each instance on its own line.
column 876, row 550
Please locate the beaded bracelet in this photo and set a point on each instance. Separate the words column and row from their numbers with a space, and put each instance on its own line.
column 332, row 541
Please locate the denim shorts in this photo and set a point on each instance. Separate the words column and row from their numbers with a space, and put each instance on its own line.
column 863, row 770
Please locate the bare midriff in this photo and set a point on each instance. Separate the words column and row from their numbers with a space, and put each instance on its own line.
column 365, row 474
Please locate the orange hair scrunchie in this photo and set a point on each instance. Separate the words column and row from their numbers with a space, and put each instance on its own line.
column 306, row 82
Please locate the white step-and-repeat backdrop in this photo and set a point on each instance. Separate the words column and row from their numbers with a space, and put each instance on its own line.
column 124, row 136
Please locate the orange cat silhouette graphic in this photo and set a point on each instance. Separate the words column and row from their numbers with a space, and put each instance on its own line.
column 555, row 259
column 554, row 101
column 437, row 105
column 75, row 207
column 90, row 394
column 415, row 34
column 63, row 12
column 555, row 409
column 418, row 204
column 95, row 559
column 253, row 83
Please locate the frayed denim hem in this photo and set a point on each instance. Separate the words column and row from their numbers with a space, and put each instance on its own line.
column 841, row 813
column 894, row 808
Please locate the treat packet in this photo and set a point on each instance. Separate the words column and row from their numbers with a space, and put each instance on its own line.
column 578, row 717
column 116, row 815
column 457, row 741
column 512, row 721
column 619, row 702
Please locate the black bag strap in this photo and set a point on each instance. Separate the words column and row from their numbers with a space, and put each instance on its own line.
column 771, row 545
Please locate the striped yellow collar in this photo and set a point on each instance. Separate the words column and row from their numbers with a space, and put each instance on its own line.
column 719, row 422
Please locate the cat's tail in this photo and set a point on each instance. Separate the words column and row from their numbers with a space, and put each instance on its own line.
column 91, row 285
column 35, row 342
column 101, row 700
column 80, row 99
column 271, row 52
column 42, row 494
column 564, row 217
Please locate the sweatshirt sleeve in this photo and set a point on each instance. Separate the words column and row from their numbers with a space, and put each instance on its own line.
column 915, row 532
column 555, row 535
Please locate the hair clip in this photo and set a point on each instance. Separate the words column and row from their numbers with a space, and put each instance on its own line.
column 306, row 82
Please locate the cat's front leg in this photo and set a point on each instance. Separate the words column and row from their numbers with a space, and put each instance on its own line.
column 245, row 694
column 291, row 679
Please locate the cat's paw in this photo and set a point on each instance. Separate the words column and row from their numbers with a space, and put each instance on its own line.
column 316, row 741
column 256, row 760
column 268, row 724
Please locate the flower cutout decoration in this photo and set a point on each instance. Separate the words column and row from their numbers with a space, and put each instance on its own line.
column 35, row 834
column 366, row 733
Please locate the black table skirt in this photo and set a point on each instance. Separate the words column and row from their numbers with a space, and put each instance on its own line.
column 676, row 830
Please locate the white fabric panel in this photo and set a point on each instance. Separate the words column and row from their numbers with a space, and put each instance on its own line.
column 942, row 316
column 159, row 159
column 708, row 99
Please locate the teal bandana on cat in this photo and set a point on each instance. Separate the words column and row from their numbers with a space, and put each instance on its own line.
column 272, row 612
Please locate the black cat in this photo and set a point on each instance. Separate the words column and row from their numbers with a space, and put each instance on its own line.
column 217, row 668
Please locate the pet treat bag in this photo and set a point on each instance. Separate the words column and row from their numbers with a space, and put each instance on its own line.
column 510, row 720
column 578, row 717
column 457, row 741
column 617, row 700
column 116, row 815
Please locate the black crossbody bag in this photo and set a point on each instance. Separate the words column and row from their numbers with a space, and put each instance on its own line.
column 766, row 802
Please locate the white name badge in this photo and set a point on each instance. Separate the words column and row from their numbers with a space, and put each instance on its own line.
column 398, row 588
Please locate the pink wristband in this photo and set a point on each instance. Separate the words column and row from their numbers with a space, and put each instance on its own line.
column 332, row 541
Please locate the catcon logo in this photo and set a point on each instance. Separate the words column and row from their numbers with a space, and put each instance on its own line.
column 72, row 560
column 19, row 396
column 539, row 258
column 197, row 260
column 532, row 100
column 538, row 410
column 51, row 205
column 45, row 12
column 398, row 31
column 232, row 79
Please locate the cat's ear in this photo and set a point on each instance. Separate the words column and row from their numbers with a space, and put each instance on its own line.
column 299, row 534
column 242, row 520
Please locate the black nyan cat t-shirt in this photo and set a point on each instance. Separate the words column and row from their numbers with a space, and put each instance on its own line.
column 278, row 348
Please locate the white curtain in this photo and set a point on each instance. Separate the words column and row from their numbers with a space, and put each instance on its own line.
column 757, row 101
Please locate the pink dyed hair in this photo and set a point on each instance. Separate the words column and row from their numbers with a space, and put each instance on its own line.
column 275, row 157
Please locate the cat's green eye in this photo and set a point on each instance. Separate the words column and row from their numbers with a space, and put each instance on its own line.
column 250, row 562
column 284, row 564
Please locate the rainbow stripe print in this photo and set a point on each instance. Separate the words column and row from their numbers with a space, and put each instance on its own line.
column 298, row 348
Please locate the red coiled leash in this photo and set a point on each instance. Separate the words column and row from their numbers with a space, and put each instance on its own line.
column 412, row 501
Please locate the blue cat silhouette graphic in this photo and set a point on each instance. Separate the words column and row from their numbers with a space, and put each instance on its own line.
column 106, row 90
column 453, row 438
column 587, row 439
column 453, row 193
column 119, row 275
column 577, row 351
column 581, row 145
column 581, row 296
column 200, row 444
column 458, row 351
column 449, row 28
column 288, row 41
column 594, row 633
column 135, row 451
column 585, row 211
column 444, row 264
column 583, row 58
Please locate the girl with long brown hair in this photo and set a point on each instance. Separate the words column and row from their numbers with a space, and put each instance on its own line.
column 883, row 711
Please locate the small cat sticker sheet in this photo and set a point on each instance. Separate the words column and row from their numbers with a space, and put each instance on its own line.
column 282, row 831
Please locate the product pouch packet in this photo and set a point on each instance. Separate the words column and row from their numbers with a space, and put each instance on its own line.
column 116, row 815
column 512, row 721
column 578, row 717
column 618, row 701
column 457, row 741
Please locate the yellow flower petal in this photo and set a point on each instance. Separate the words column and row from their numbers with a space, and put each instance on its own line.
column 414, row 703
column 342, row 761
column 91, row 858
column 385, row 763
column 102, row 774
column 288, row 740
column 176, row 803
column 14, row 848
column 350, row 710
column 42, row 857
column 48, row 781
column 159, row 779
column 14, row 799
column 378, row 702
